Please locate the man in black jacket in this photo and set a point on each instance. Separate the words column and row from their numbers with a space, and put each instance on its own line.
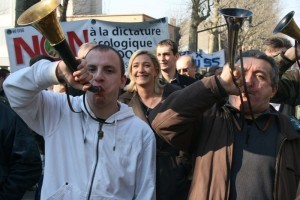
column 167, row 55
column 20, row 162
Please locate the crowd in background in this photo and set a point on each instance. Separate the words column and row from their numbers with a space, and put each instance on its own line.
column 169, row 130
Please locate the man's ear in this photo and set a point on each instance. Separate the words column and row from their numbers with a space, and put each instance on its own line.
column 274, row 90
column 123, row 82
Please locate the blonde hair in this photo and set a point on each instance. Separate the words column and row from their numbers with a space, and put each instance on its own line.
column 131, row 87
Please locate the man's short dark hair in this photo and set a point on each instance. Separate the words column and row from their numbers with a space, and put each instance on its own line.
column 170, row 43
column 260, row 55
column 103, row 47
column 276, row 43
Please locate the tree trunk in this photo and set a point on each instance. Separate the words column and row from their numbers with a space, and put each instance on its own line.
column 213, row 44
column 213, row 39
column 22, row 6
column 193, row 39
column 200, row 12
column 193, row 35
column 63, row 11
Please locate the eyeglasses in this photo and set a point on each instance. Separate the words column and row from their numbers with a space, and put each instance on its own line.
column 184, row 70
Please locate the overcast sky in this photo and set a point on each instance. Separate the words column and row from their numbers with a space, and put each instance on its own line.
column 153, row 8
column 291, row 5
column 170, row 8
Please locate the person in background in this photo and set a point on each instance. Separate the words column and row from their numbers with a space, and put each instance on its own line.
column 20, row 162
column 276, row 45
column 282, row 51
column 243, row 151
column 167, row 55
column 84, row 49
column 143, row 94
column 3, row 74
column 186, row 66
column 284, row 54
column 81, row 53
column 59, row 88
column 103, row 151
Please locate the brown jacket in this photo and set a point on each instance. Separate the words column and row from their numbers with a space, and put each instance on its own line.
column 195, row 121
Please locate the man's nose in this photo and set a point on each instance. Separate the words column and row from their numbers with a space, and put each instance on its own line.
column 249, row 79
column 98, row 75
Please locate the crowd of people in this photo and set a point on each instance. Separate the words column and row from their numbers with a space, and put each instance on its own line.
column 162, row 132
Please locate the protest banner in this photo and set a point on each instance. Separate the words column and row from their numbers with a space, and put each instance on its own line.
column 203, row 59
column 23, row 43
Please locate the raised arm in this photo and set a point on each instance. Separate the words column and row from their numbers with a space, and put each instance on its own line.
column 25, row 90
column 178, row 117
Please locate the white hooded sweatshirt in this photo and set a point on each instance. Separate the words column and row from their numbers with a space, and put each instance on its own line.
column 79, row 165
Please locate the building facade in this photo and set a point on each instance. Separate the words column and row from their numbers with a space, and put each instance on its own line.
column 77, row 10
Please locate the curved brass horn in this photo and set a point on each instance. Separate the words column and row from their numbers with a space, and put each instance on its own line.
column 234, row 18
column 288, row 26
column 42, row 16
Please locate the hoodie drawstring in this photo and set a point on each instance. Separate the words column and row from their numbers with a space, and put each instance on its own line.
column 115, row 135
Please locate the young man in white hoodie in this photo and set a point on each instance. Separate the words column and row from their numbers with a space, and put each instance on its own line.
column 101, row 151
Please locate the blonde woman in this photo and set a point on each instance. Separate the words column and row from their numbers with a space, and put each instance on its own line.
column 144, row 93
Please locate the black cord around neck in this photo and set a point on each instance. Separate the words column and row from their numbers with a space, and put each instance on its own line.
column 247, row 96
column 296, row 52
column 69, row 100
column 94, row 118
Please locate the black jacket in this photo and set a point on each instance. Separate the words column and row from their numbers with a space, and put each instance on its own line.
column 173, row 167
column 182, row 80
column 20, row 162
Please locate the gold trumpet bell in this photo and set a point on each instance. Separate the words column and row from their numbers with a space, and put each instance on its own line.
column 234, row 18
column 288, row 26
column 42, row 16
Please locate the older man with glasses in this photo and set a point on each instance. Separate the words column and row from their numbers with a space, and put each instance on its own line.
column 186, row 66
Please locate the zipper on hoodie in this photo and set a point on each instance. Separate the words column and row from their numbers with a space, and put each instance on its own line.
column 100, row 136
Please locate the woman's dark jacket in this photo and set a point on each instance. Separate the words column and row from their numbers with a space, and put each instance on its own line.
column 173, row 167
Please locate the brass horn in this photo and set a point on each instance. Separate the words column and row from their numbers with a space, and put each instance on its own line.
column 288, row 27
column 234, row 18
column 42, row 16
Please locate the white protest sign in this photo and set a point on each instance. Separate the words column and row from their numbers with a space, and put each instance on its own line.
column 203, row 59
column 129, row 37
column 23, row 43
